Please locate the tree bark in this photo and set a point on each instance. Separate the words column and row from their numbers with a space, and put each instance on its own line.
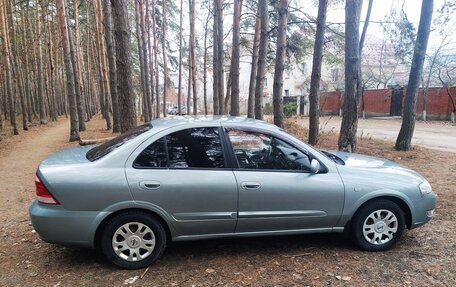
column 165, row 64
column 103, row 64
column 215, row 67
column 157, row 78
column 360, row 87
column 262, row 55
column 123, row 64
column 192, row 55
column 277, row 95
column 179, row 92
column 220, row 56
column 314, row 95
column 253, row 71
column 144, row 41
column 39, row 67
column 347, row 137
column 138, row 22
column 112, row 65
column 151, row 63
column 404, row 139
column 76, row 74
column 74, row 133
column 235, row 58
column 205, row 61
column 7, row 62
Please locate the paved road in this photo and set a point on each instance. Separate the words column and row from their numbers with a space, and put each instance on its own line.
column 432, row 134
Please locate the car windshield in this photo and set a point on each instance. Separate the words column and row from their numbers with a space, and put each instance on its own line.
column 107, row 147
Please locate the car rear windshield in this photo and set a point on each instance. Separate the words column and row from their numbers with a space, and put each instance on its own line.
column 107, row 147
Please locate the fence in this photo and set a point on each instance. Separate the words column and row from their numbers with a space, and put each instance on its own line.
column 390, row 102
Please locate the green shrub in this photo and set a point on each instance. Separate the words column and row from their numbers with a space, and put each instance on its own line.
column 289, row 109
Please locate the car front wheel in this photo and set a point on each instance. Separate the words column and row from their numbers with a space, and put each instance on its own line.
column 133, row 240
column 378, row 225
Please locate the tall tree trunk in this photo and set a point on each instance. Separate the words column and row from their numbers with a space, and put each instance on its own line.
column 235, row 58
column 165, row 64
column 314, row 95
column 144, row 43
column 123, row 64
column 157, row 77
column 227, row 103
column 151, row 63
column 27, row 83
column 7, row 62
column 143, row 107
column 404, row 139
column 262, row 55
column 74, row 133
column 220, row 57
column 103, row 65
column 76, row 74
column 39, row 66
column 215, row 67
column 189, row 85
column 112, row 65
column 360, row 87
column 193, row 55
column 179, row 91
column 347, row 137
column 253, row 71
column 77, row 67
column 16, row 65
column 277, row 88
column 205, row 61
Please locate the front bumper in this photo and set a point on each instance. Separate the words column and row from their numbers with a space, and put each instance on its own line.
column 54, row 224
column 423, row 206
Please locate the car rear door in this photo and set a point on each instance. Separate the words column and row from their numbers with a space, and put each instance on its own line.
column 185, row 175
column 277, row 190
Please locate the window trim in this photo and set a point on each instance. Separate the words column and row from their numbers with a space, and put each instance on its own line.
column 227, row 163
column 268, row 133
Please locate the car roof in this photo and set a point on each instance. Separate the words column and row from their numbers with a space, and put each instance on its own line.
column 191, row 121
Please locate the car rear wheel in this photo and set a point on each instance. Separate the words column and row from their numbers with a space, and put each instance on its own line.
column 133, row 240
column 378, row 225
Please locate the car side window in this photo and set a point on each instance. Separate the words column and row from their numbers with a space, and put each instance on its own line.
column 153, row 156
column 189, row 148
column 196, row 147
column 260, row 151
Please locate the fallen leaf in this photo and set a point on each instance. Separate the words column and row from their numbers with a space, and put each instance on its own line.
column 346, row 278
column 210, row 270
column 338, row 277
column 131, row 280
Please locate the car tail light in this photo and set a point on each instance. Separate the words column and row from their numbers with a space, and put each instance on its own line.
column 42, row 193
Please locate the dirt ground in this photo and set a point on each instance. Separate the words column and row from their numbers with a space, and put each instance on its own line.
column 424, row 257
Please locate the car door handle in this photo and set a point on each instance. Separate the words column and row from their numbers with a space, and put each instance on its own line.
column 250, row 185
column 150, row 184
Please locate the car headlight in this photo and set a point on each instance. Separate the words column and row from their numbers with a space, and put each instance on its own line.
column 425, row 188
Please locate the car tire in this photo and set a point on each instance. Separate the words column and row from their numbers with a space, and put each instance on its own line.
column 378, row 226
column 133, row 240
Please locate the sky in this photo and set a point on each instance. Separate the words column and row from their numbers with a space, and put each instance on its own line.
column 380, row 9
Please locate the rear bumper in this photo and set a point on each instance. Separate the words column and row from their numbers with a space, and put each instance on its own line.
column 54, row 224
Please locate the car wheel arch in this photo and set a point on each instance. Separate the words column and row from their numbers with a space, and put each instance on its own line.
column 397, row 200
column 102, row 225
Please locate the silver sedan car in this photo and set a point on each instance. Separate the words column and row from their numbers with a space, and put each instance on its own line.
column 189, row 178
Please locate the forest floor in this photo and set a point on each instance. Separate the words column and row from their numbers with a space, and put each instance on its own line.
column 424, row 257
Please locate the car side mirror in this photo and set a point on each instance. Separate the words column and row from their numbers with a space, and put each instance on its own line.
column 314, row 166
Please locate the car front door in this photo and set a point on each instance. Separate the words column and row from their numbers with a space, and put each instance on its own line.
column 184, row 174
column 277, row 192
